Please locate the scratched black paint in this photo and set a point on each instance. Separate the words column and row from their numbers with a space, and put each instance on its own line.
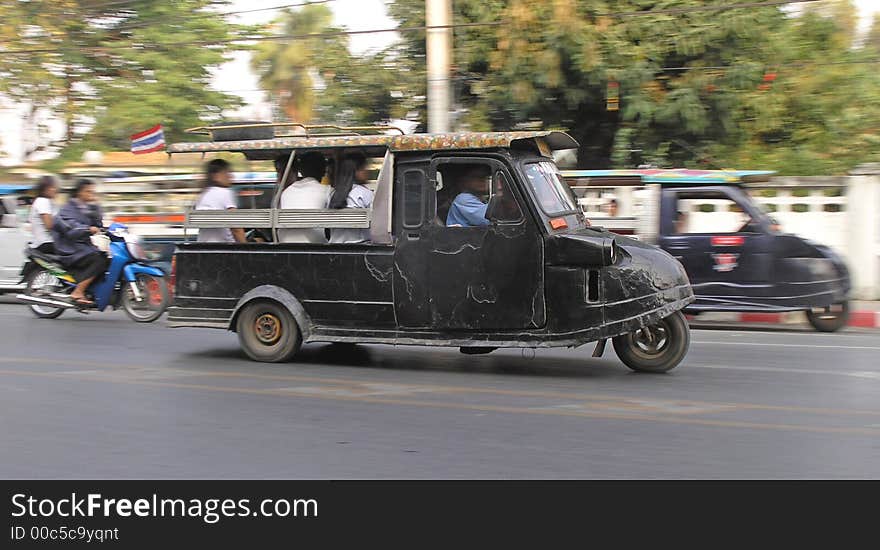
column 506, row 285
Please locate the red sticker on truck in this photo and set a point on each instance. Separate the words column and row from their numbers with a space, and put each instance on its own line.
column 728, row 240
column 725, row 263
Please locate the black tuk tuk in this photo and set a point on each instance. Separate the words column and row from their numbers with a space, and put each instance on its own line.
column 736, row 255
column 533, row 275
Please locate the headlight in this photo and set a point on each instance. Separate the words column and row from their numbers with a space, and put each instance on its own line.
column 135, row 247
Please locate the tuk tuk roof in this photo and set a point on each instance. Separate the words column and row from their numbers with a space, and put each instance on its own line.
column 414, row 142
column 676, row 175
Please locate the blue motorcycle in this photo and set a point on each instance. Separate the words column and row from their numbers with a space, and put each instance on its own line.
column 130, row 282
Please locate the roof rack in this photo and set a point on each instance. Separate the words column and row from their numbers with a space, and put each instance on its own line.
column 308, row 130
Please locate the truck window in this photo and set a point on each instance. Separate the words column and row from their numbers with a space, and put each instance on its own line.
column 413, row 198
column 508, row 209
column 710, row 213
column 553, row 193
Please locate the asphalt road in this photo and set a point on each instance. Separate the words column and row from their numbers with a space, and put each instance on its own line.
column 99, row 396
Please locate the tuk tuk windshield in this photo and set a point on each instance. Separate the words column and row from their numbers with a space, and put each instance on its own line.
column 553, row 194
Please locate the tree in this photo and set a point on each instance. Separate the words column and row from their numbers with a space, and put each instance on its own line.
column 821, row 113
column 289, row 69
column 317, row 79
column 553, row 64
column 873, row 41
column 109, row 69
column 714, row 88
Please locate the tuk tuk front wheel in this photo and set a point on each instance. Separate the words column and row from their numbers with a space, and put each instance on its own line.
column 830, row 319
column 656, row 348
column 267, row 332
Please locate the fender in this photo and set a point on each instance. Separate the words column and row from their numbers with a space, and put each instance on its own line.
column 283, row 297
column 26, row 270
column 131, row 270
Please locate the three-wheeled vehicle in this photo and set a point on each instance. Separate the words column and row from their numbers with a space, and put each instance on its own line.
column 531, row 274
column 736, row 256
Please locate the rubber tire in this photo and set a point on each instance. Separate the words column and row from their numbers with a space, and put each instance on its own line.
column 30, row 279
column 166, row 300
column 283, row 350
column 679, row 335
column 829, row 325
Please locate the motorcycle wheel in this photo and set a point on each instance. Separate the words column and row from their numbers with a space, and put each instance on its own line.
column 40, row 281
column 658, row 348
column 154, row 298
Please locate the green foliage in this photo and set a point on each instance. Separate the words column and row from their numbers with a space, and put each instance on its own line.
column 740, row 87
column 116, row 67
column 317, row 79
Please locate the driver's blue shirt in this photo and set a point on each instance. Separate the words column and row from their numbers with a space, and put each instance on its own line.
column 467, row 211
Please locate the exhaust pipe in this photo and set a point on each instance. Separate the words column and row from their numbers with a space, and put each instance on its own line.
column 43, row 301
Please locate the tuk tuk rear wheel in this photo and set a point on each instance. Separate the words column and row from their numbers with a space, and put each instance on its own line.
column 656, row 348
column 267, row 332
column 830, row 319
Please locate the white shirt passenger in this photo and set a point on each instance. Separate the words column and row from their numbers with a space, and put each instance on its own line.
column 305, row 194
column 359, row 197
column 216, row 198
column 39, row 232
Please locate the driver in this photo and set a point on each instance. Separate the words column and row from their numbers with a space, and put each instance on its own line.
column 468, row 209
column 75, row 223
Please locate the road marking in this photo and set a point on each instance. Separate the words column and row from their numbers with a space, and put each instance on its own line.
column 360, row 386
column 871, row 375
column 463, row 406
column 775, row 344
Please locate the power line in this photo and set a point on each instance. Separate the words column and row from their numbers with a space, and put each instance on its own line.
column 204, row 15
column 284, row 7
column 673, row 11
column 419, row 28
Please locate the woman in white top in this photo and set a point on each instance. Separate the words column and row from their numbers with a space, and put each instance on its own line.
column 42, row 215
column 218, row 195
column 350, row 191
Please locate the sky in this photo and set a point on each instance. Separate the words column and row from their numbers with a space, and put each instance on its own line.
column 236, row 76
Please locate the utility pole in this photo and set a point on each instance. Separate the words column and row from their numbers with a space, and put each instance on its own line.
column 438, row 13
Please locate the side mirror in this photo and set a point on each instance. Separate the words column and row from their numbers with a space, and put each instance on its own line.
column 9, row 220
column 492, row 208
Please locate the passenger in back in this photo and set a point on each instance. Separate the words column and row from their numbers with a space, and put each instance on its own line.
column 350, row 191
column 306, row 193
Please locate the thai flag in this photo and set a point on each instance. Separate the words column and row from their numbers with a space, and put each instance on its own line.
column 148, row 141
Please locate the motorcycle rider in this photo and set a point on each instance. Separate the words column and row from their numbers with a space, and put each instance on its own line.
column 75, row 223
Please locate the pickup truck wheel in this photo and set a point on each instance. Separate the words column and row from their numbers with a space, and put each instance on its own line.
column 267, row 332
column 657, row 348
column 829, row 319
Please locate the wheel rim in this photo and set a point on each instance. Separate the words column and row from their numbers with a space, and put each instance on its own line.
column 151, row 293
column 830, row 313
column 649, row 342
column 44, row 283
column 267, row 329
